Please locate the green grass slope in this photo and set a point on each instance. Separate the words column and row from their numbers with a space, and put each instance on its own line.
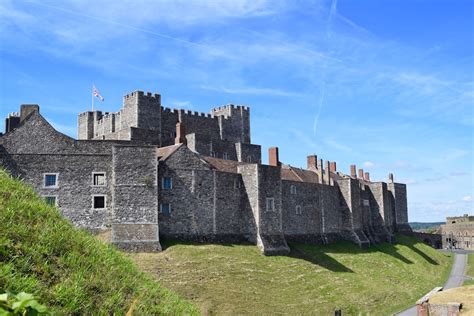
column 470, row 269
column 237, row 279
column 67, row 269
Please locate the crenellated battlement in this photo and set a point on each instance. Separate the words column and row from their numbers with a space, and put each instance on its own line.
column 139, row 93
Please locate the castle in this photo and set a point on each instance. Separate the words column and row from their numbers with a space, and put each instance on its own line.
column 458, row 232
column 150, row 172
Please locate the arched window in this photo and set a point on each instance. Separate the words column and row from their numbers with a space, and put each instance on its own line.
column 293, row 189
column 298, row 210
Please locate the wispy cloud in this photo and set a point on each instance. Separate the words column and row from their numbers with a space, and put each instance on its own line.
column 253, row 90
column 467, row 198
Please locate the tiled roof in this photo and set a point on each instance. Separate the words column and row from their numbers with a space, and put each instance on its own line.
column 297, row 174
column 164, row 152
column 223, row 164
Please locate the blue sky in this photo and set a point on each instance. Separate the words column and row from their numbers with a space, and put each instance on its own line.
column 387, row 85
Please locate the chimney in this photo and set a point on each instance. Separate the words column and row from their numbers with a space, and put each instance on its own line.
column 327, row 176
column 27, row 109
column 332, row 166
column 361, row 173
column 273, row 159
column 367, row 176
column 180, row 134
column 390, row 178
column 311, row 162
column 320, row 164
column 353, row 171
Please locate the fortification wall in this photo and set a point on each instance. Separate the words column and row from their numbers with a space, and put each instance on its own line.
column 135, row 209
column 75, row 190
column 301, row 211
column 214, row 147
column 234, row 123
column 248, row 153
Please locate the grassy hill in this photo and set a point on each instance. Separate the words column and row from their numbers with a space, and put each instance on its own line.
column 426, row 227
column 69, row 270
column 237, row 279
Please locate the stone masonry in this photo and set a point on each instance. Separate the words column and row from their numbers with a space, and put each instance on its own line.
column 150, row 172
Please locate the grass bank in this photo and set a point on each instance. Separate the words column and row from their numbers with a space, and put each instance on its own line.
column 67, row 269
column 470, row 270
column 237, row 279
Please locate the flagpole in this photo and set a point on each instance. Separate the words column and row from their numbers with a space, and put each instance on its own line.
column 92, row 94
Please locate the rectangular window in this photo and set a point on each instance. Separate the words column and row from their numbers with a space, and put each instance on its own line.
column 213, row 154
column 225, row 156
column 166, row 183
column 50, row 180
column 50, row 200
column 98, row 179
column 237, row 184
column 165, row 208
column 98, row 201
column 270, row 205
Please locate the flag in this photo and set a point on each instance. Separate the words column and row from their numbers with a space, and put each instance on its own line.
column 96, row 93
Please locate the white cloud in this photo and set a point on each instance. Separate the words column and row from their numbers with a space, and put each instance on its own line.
column 252, row 90
column 369, row 164
column 467, row 198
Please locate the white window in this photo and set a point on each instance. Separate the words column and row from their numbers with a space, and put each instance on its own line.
column 249, row 158
column 165, row 208
column 298, row 210
column 213, row 154
column 270, row 204
column 99, row 201
column 166, row 183
column 225, row 156
column 50, row 180
column 293, row 189
column 98, row 179
column 51, row 200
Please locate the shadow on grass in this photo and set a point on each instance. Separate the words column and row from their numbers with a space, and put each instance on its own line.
column 318, row 254
column 321, row 259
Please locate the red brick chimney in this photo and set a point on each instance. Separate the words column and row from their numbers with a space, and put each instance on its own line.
column 353, row 171
column 367, row 176
column 180, row 134
column 361, row 173
column 332, row 166
column 273, row 159
column 312, row 162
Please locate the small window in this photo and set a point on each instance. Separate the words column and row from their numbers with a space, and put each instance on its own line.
column 249, row 158
column 50, row 180
column 293, row 189
column 166, row 183
column 50, row 200
column 98, row 179
column 225, row 156
column 237, row 184
column 270, row 204
column 213, row 154
column 99, row 201
column 298, row 210
column 165, row 208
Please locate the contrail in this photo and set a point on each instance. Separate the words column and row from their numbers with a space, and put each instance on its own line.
column 322, row 91
column 131, row 27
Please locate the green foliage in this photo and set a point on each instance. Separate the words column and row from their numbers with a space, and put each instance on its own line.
column 20, row 304
column 425, row 227
column 68, row 269
column 237, row 279
column 470, row 269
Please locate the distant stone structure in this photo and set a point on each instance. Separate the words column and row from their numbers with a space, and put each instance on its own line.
column 150, row 172
column 458, row 232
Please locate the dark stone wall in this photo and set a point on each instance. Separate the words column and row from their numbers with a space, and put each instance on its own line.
column 135, row 209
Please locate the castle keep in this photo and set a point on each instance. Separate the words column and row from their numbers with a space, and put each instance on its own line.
column 150, row 172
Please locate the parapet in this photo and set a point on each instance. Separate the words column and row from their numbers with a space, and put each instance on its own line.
column 139, row 93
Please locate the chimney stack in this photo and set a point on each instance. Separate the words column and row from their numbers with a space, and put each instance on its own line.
column 273, row 159
column 27, row 109
column 390, row 178
column 361, row 173
column 312, row 162
column 332, row 166
column 353, row 171
column 327, row 177
column 180, row 134
column 367, row 176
